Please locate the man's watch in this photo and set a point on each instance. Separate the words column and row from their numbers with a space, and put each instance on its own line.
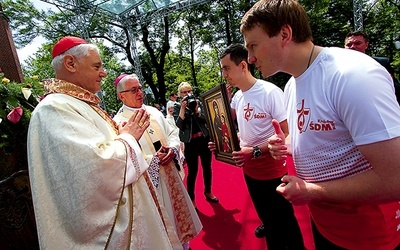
column 256, row 152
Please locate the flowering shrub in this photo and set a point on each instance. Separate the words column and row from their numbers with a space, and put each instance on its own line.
column 17, row 101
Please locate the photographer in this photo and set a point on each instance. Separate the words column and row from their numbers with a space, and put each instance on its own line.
column 190, row 119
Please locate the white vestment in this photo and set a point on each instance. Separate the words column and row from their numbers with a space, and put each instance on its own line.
column 172, row 192
column 83, row 198
column 171, row 120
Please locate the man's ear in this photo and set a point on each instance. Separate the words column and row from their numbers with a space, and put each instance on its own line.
column 120, row 96
column 244, row 65
column 286, row 34
column 69, row 63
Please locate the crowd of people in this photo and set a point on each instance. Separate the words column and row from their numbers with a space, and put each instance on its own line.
column 118, row 182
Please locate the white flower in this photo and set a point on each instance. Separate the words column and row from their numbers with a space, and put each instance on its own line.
column 27, row 92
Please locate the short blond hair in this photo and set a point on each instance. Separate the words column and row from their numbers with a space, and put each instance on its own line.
column 183, row 85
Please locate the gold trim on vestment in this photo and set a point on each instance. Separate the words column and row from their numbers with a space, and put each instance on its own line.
column 182, row 216
column 54, row 85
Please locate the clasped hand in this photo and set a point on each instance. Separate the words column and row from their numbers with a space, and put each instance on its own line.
column 166, row 155
column 136, row 125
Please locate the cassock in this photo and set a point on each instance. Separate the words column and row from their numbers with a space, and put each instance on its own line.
column 171, row 190
column 90, row 187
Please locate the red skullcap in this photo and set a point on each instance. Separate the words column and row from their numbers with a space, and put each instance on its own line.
column 119, row 78
column 65, row 44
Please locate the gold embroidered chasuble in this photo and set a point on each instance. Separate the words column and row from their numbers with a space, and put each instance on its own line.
column 77, row 168
column 172, row 192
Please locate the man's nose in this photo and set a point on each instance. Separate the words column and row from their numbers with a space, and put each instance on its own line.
column 251, row 59
column 103, row 73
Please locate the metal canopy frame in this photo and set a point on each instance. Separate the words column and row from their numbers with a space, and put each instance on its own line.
column 357, row 12
column 138, row 10
column 131, row 12
column 125, row 12
column 128, row 13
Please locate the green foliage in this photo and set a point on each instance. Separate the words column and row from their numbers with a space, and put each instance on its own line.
column 39, row 64
column 114, row 68
column 208, row 67
column 24, row 19
column 382, row 24
column 14, row 135
column 332, row 20
column 176, row 68
column 196, row 36
column 206, row 27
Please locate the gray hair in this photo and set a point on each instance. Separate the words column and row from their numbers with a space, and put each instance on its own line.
column 78, row 51
column 122, row 82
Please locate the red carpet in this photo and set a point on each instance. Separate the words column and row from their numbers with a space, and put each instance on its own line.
column 230, row 224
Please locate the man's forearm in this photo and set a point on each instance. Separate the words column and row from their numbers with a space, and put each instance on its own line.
column 378, row 185
column 364, row 188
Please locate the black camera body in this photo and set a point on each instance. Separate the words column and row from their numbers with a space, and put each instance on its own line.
column 191, row 103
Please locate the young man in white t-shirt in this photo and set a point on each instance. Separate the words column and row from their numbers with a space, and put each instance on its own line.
column 254, row 105
column 344, row 125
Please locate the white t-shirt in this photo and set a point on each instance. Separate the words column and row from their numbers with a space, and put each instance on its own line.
column 255, row 109
column 344, row 99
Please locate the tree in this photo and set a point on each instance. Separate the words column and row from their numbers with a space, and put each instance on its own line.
column 114, row 68
column 39, row 64
column 207, row 27
column 97, row 25
column 383, row 26
column 25, row 19
column 157, row 59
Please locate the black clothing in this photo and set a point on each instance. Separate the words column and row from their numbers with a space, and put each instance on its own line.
column 194, row 133
column 276, row 213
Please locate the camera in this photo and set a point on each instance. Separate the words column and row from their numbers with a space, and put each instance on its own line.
column 191, row 103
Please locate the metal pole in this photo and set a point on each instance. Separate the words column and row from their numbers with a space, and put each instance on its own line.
column 358, row 17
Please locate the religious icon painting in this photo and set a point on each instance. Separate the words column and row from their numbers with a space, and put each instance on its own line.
column 220, row 123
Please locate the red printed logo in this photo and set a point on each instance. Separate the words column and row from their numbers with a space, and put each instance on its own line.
column 304, row 123
column 303, row 117
column 248, row 111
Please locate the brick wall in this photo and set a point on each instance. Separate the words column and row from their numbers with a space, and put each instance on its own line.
column 9, row 62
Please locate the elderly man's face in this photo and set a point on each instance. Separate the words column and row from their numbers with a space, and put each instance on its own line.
column 356, row 43
column 89, row 72
column 133, row 95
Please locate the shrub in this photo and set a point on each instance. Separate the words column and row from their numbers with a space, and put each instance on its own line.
column 17, row 101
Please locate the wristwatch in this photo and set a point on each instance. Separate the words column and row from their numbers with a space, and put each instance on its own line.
column 256, row 152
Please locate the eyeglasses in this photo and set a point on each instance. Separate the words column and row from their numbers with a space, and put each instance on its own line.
column 132, row 90
column 186, row 92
